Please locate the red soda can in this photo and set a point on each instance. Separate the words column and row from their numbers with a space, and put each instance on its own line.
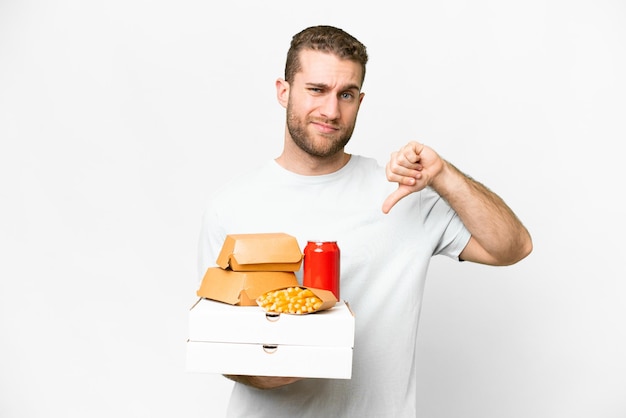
column 321, row 266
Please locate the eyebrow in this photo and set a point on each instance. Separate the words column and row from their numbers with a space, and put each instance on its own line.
column 326, row 86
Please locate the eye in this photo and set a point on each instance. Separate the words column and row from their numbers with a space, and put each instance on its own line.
column 347, row 95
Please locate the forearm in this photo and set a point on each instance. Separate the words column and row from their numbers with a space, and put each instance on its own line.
column 262, row 382
column 502, row 238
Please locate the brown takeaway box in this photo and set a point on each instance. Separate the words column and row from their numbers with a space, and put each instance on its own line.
column 260, row 252
column 242, row 288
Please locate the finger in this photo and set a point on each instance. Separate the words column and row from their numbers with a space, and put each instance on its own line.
column 403, row 175
column 404, row 180
column 395, row 197
column 412, row 152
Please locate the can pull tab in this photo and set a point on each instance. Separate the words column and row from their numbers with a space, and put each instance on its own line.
column 270, row 349
column 272, row 316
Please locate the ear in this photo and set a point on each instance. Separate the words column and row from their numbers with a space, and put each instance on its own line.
column 282, row 92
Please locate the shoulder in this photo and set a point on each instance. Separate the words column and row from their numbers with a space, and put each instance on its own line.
column 365, row 163
column 369, row 168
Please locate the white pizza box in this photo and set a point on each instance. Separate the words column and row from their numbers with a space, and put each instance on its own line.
column 213, row 321
column 269, row 360
column 244, row 340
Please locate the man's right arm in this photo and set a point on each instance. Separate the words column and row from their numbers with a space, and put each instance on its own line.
column 263, row 382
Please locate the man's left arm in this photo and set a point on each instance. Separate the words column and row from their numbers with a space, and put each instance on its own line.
column 498, row 236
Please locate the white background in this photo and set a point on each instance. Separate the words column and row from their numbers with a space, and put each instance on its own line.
column 118, row 118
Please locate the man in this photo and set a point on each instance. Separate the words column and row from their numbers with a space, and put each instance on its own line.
column 315, row 190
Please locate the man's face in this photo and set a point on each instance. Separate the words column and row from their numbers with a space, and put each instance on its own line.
column 324, row 100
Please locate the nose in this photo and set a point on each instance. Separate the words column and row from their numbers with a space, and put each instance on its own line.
column 329, row 108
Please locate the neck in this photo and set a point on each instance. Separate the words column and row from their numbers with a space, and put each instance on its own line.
column 309, row 165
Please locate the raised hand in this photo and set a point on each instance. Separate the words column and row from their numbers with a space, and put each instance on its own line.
column 413, row 167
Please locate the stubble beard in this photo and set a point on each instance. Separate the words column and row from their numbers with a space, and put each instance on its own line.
column 335, row 142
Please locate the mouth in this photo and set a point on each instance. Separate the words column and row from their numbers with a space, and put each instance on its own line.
column 324, row 127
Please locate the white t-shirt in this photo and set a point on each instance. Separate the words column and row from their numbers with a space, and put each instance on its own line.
column 384, row 261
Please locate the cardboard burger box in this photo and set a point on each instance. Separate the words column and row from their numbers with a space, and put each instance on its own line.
column 250, row 265
column 260, row 252
column 229, row 339
column 242, row 288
